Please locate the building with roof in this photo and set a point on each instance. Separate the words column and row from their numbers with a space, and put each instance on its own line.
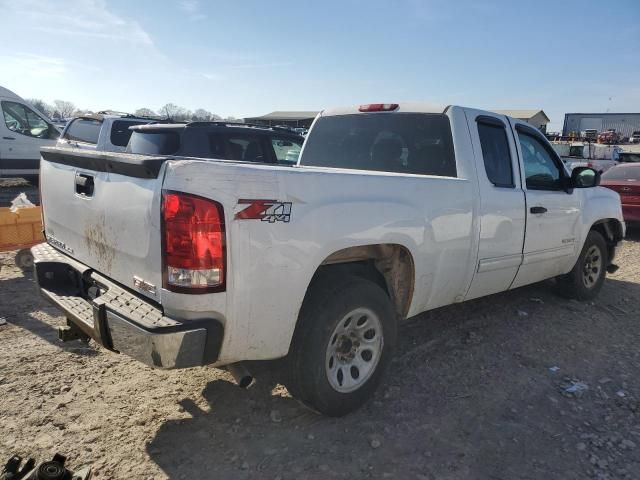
column 290, row 119
column 537, row 118
column 623, row 123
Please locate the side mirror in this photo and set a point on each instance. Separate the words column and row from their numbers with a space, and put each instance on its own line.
column 584, row 177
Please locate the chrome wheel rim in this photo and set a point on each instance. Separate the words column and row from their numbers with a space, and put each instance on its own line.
column 592, row 268
column 354, row 350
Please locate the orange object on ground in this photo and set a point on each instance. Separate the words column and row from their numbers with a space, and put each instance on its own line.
column 20, row 229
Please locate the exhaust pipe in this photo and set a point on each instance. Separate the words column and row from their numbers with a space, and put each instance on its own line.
column 240, row 374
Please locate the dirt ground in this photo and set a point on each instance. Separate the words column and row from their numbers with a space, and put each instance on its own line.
column 480, row 390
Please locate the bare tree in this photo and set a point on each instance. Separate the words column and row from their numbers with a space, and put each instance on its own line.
column 202, row 115
column 145, row 112
column 42, row 106
column 234, row 120
column 175, row 112
column 63, row 108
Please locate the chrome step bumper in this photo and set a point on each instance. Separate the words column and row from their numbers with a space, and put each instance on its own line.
column 119, row 319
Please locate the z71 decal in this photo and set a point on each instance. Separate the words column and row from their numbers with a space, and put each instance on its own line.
column 266, row 210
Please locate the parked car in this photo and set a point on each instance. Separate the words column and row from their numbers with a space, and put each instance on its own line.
column 23, row 130
column 104, row 131
column 592, row 155
column 610, row 137
column 629, row 157
column 221, row 140
column 625, row 179
column 590, row 134
column 391, row 210
column 635, row 137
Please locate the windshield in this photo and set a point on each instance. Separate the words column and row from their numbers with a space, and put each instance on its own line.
column 416, row 143
column 622, row 172
column 576, row 151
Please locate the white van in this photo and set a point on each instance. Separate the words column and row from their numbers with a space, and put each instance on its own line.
column 23, row 130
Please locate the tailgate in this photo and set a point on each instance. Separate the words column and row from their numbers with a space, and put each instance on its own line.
column 103, row 209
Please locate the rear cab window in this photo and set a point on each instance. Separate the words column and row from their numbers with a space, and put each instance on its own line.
column 86, row 130
column 414, row 143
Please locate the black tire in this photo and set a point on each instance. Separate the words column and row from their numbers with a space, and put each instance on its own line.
column 574, row 284
column 331, row 298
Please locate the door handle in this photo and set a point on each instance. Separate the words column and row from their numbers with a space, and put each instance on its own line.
column 84, row 185
column 536, row 210
column 8, row 138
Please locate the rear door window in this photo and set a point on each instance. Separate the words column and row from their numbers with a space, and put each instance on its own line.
column 623, row 172
column 496, row 154
column 161, row 142
column 86, row 130
column 417, row 143
column 120, row 133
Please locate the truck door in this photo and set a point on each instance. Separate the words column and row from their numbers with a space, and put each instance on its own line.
column 23, row 133
column 553, row 211
column 502, row 203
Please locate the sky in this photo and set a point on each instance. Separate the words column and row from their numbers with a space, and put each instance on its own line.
column 246, row 58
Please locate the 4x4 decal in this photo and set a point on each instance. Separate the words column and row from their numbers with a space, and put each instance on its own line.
column 266, row 210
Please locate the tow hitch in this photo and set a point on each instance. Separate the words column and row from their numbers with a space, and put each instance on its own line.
column 71, row 332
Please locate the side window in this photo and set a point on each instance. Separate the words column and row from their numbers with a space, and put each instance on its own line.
column 541, row 172
column 286, row 149
column 85, row 130
column 496, row 154
column 120, row 133
column 21, row 119
column 247, row 148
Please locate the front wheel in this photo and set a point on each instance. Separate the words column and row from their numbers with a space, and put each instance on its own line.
column 585, row 280
column 342, row 345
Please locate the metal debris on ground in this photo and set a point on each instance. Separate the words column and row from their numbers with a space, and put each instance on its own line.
column 573, row 388
column 53, row 469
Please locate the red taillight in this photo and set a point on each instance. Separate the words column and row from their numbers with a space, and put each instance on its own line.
column 194, row 243
column 378, row 107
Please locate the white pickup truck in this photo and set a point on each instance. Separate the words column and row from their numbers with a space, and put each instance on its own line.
column 392, row 210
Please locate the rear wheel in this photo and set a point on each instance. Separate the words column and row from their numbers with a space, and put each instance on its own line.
column 343, row 343
column 585, row 280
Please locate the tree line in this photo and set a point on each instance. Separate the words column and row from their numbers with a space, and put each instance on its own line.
column 63, row 110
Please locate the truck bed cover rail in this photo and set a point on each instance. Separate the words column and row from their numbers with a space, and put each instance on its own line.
column 138, row 166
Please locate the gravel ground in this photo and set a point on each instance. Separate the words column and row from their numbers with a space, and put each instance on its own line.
column 522, row 385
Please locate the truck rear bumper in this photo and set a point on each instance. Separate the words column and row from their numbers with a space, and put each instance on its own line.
column 119, row 319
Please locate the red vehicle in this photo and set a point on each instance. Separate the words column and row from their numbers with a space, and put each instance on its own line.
column 609, row 137
column 625, row 179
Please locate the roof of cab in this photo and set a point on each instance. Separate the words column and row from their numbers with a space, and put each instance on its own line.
column 411, row 107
